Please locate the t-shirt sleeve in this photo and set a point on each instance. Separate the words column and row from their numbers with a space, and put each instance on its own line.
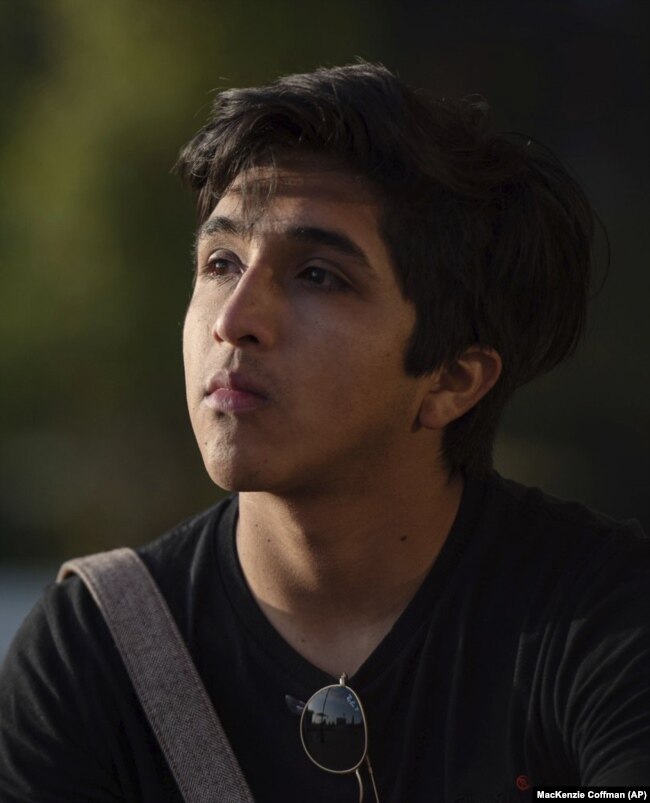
column 54, row 745
column 603, row 682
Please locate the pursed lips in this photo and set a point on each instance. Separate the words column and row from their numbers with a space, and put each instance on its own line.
column 234, row 392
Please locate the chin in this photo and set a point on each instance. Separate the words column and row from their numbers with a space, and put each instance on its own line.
column 236, row 486
column 237, row 478
column 251, row 467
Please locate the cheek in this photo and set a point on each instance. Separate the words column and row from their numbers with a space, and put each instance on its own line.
column 354, row 376
column 196, row 338
column 189, row 351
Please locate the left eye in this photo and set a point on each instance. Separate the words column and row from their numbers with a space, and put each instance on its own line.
column 322, row 278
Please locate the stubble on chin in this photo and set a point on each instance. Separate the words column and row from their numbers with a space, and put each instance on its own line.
column 231, row 466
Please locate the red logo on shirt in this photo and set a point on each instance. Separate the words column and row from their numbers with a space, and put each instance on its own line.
column 522, row 782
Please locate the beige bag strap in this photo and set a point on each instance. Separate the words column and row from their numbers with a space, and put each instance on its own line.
column 164, row 676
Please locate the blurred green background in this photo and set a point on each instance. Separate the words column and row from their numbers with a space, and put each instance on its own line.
column 96, row 450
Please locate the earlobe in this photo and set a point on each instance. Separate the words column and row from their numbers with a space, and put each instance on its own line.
column 456, row 388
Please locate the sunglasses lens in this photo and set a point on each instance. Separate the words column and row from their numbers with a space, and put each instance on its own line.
column 333, row 729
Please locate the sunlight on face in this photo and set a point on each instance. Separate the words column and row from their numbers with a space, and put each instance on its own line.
column 295, row 336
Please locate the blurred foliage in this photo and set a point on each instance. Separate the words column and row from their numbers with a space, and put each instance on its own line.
column 95, row 233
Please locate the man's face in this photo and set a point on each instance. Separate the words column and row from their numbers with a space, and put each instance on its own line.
column 294, row 339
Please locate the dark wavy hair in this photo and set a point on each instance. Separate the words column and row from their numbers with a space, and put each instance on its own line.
column 490, row 236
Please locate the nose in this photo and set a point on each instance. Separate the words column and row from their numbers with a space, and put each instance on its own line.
column 250, row 314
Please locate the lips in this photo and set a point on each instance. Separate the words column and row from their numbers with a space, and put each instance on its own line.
column 233, row 392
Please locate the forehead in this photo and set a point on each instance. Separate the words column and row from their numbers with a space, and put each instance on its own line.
column 264, row 198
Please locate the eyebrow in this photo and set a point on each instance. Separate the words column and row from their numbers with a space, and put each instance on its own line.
column 304, row 234
column 219, row 225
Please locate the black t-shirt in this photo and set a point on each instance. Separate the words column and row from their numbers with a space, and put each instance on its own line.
column 523, row 659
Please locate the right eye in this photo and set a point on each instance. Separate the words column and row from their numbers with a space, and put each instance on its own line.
column 221, row 264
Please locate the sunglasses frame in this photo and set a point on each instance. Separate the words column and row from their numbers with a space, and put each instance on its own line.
column 341, row 684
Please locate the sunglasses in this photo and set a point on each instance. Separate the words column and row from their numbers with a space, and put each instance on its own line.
column 334, row 731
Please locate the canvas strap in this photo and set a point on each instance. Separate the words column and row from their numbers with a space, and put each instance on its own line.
column 164, row 676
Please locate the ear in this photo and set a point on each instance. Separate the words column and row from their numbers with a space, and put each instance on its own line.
column 456, row 388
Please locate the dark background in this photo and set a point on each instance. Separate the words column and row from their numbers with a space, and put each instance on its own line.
column 95, row 446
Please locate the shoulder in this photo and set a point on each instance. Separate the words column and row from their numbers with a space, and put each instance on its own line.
column 63, row 675
column 176, row 551
column 556, row 561
column 181, row 562
column 66, row 619
column 580, row 582
column 169, row 558
column 184, row 561
column 557, row 529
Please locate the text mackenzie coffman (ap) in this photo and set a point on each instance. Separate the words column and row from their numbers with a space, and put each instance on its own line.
column 591, row 793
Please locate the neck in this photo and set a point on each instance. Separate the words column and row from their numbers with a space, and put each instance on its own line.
column 333, row 571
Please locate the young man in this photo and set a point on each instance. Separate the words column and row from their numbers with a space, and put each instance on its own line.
column 376, row 273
